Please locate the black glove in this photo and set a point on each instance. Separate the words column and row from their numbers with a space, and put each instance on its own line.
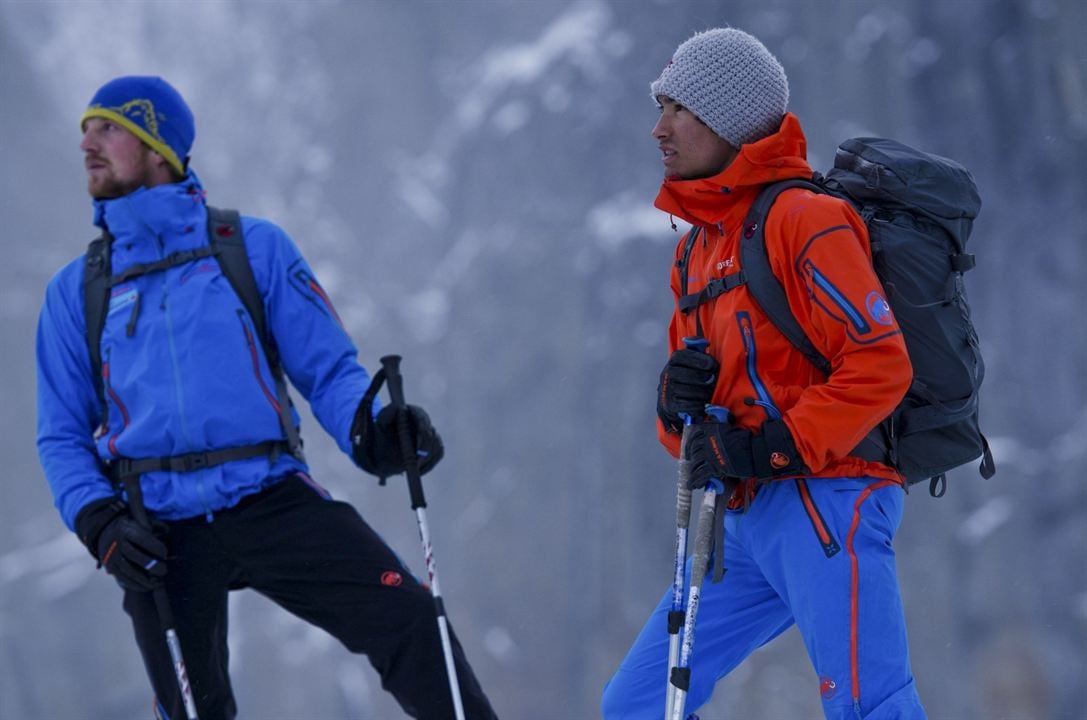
column 721, row 450
column 133, row 555
column 376, row 442
column 686, row 387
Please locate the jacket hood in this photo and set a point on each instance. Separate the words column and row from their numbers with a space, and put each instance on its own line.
column 780, row 156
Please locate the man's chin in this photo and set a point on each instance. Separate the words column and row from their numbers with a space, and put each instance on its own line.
column 106, row 191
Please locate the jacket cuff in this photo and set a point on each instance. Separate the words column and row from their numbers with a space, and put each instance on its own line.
column 775, row 452
column 93, row 519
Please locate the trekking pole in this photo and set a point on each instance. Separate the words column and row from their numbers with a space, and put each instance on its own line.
column 391, row 365
column 683, row 523
column 162, row 603
column 680, row 676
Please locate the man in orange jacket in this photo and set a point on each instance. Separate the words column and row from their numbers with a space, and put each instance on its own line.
column 814, row 546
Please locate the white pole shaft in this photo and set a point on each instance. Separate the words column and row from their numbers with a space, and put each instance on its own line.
column 443, row 623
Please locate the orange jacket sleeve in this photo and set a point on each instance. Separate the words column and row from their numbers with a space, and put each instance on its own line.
column 818, row 248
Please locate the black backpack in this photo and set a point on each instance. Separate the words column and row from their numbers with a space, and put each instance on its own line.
column 227, row 244
column 919, row 210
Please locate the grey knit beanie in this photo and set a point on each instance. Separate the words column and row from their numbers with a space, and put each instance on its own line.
column 730, row 81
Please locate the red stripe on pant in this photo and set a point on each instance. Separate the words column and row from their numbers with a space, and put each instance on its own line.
column 854, row 590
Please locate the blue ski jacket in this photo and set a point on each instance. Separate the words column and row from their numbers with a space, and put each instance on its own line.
column 182, row 369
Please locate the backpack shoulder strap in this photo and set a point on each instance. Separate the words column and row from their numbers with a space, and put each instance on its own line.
column 685, row 258
column 96, row 274
column 764, row 286
column 225, row 235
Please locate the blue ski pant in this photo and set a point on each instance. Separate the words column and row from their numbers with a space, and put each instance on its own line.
column 815, row 552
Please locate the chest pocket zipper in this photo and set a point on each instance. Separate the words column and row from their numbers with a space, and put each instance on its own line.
column 763, row 399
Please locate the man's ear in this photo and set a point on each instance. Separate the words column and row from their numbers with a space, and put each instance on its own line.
column 163, row 169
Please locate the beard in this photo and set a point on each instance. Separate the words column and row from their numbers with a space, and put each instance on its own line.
column 108, row 183
column 110, row 187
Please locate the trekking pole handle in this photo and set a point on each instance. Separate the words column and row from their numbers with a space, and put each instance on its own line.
column 719, row 413
column 695, row 342
column 391, row 365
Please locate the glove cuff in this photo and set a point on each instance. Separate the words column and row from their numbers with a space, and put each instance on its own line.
column 775, row 453
column 93, row 519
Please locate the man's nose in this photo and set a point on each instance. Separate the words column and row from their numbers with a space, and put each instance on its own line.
column 87, row 142
column 660, row 129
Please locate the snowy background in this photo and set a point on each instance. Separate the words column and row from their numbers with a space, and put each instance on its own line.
column 472, row 182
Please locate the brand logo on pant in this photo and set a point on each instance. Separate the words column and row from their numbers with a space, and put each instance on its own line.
column 391, row 578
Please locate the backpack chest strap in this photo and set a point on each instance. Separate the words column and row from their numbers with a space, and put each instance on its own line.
column 715, row 288
column 172, row 260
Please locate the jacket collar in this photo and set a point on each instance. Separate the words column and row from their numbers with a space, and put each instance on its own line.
column 162, row 211
column 712, row 200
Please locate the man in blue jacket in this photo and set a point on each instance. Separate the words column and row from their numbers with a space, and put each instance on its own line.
column 186, row 388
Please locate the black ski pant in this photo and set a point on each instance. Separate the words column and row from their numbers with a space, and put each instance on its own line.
column 319, row 560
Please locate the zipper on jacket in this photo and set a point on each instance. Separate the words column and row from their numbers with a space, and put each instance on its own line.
column 130, row 328
column 822, row 532
column 747, row 331
column 254, row 355
column 309, row 282
column 178, row 394
column 112, row 443
column 180, row 398
column 855, row 317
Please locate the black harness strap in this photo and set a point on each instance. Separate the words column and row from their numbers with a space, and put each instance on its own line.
column 96, row 273
column 122, row 468
column 765, row 288
column 178, row 258
column 713, row 289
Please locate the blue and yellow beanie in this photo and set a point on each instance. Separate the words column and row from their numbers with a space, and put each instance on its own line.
column 152, row 110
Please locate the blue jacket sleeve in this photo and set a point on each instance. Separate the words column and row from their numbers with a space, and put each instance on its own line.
column 317, row 354
column 68, row 410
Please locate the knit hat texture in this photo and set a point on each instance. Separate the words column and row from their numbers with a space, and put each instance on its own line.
column 730, row 81
column 152, row 110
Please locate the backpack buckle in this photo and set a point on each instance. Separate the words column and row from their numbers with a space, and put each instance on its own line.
column 194, row 462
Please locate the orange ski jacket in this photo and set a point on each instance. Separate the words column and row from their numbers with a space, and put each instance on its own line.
column 818, row 248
